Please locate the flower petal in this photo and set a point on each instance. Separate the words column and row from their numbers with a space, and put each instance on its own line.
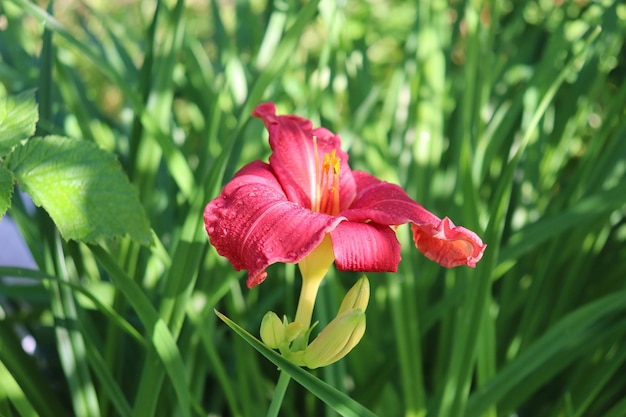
column 294, row 157
column 385, row 203
column 447, row 244
column 254, row 225
column 365, row 247
column 439, row 240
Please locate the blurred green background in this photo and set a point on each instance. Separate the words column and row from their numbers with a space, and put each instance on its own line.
column 506, row 116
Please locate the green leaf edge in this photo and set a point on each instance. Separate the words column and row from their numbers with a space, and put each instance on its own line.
column 26, row 99
column 143, row 237
column 11, row 181
column 334, row 398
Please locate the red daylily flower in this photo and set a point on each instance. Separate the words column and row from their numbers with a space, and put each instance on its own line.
column 280, row 211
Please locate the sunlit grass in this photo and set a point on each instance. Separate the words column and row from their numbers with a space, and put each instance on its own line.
column 508, row 117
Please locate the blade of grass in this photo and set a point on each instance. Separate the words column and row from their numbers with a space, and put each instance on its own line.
column 158, row 332
column 178, row 167
column 96, row 361
column 340, row 402
column 206, row 330
column 594, row 383
column 617, row 410
column 276, row 66
column 457, row 387
column 583, row 212
column 27, row 375
column 109, row 388
column 111, row 314
column 178, row 283
column 10, row 391
column 407, row 332
column 543, row 352
column 145, row 82
column 71, row 345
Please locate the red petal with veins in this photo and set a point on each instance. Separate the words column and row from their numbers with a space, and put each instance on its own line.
column 365, row 247
column 293, row 156
column 439, row 240
column 385, row 203
column 253, row 224
column 264, row 213
column 447, row 244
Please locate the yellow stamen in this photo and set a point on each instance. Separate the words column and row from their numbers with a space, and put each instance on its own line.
column 326, row 198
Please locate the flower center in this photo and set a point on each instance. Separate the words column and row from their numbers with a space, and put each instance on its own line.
column 326, row 199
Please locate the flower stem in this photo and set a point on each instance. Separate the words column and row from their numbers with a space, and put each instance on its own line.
column 313, row 269
column 308, row 293
column 279, row 394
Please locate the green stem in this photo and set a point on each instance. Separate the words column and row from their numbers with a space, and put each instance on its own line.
column 279, row 394
column 313, row 269
column 308, row 293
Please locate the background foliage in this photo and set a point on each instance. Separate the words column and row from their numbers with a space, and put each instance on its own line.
column 507, row 116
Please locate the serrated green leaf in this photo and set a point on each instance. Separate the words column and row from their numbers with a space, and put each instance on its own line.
column 18, row 117
column 81, row 186
column 6, row 190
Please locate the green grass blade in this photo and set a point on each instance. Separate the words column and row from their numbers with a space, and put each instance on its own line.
column 32, row 391
column 71, row 345
column 11, row 391
column 334, row 398
column 543, row 353
column 177, row 163
column 160, row 336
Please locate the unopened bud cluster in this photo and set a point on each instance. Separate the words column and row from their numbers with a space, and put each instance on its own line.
column 334, row 342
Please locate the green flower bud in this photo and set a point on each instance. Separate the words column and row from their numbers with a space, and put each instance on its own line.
column 357, row 297
column 336, row 340
column 272, row 330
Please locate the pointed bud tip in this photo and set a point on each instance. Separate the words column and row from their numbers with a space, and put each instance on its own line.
column 357, row 297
